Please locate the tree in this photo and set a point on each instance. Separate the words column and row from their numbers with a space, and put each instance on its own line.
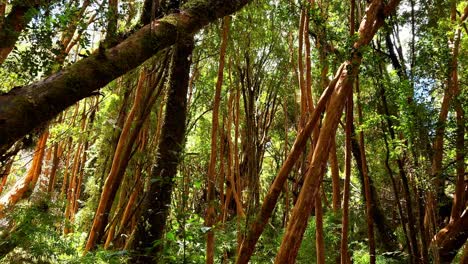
column 151, row 166
column 20, row 115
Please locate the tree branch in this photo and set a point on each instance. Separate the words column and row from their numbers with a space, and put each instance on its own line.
column 25, row 108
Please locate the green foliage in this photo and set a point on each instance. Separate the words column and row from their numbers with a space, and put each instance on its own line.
column 263, row 44
column 34, row 236
column 185, row 240
column 361, row 255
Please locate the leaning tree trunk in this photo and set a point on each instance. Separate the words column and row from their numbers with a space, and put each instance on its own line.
column 13, row 24
column 269, row 202
column 156, row 203
column 376, row 12
column 25, row 186
column 19, row 115
column 451, row 238
column 211, row 179
column 119, row 164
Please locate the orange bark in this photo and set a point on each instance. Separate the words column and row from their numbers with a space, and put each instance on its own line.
column 304, row 204
column 300, row 61
column 231, row 164
column 71, row 191
column 335, row 173
column 66, row 165
column 271, row 198
column 5, row 174
column 237, row 178
column 308, row 79
column 211, row 178
column 431, row 214
column 289, row 248
column 115, row 174
column 451, row 238
column 25, row 186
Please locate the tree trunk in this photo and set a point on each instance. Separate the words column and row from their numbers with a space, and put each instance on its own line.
column 24, row 187
column 5, row 173
column 289, row 248
column 410, row 218
column 155, row 207
column 119, row 164
column 319, row 240
column 211, row 177
column 367, row 187
column 113, row 15
column 269, row 202
column 19, row 115
column 300, row 62
column 335, row 173
column 458, row 198
column 304, row 204
column 451, row 238
column 347, row 184
column 13, row 24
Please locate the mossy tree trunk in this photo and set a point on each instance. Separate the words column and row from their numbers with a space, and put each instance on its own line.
column 25, row 108
column 155, row 206
column 14, row 23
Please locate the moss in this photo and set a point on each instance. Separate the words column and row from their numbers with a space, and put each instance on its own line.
column 171, row 20
column 194, row 4
column 21, row 102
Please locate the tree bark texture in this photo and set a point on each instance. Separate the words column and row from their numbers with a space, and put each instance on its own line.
column 119, row 164
column 25, row 186
column 304, row 204
column 319, row 239
column 335, row 173
column 14, row 23
column 155, row 207
column 451, row 238
column 373, row 20
column 211, row 177
column 25, row 108
column 269, row 202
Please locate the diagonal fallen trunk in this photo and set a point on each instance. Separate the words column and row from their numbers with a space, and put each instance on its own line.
column 25, row 108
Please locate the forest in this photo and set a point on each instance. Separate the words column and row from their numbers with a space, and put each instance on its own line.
column 233, row 131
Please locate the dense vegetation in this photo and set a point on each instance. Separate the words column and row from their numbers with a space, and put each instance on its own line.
column 233, row 131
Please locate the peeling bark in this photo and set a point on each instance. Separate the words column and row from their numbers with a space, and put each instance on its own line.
column 211, row 177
